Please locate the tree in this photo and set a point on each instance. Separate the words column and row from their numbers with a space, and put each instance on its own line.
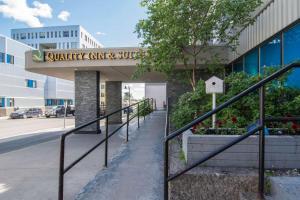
column 178, row 31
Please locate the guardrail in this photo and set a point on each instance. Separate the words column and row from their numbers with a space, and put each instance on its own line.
column 262, row 119
column 144, row 108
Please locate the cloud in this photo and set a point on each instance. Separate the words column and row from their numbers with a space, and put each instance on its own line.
column 20, row 11
column 64, row 15
column 100, row 33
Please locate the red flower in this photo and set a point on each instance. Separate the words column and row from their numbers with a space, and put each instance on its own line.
column 294, row 126
column 234, row 119
column 219, row 123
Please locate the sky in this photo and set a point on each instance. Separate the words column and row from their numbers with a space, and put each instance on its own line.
column 111, row 22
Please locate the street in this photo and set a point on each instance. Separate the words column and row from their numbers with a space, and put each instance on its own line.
column 10, row 128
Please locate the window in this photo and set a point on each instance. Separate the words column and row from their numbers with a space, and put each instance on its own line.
column 10, row 59
column 85, row 38
column 61, row 102
column 291, row 51
column 47, row 34
column 14, row 36
column 102, row 86
column 73, row 45
column 75, row 33
column 36, row 46
column 65, row 33
column 28, row 35
column 17, row 36
column 2, row 102
column 23, row 36
column 36, row 35
column 71, row 33
column 81, row 34
column 63, row 45
column 102, row 94
column 2, row 57
column 58, row 45
column 10, row 102
column 238, row 65
column 59, row 34
column 32, row 36
column 251, row 62
column 270, row 53
column 55, row 34
column 51, row 34
column 31, row 83
column 67, row 45
column 42, row 35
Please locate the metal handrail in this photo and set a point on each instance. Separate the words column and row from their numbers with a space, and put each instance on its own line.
column 261, row 86
column 63, row 169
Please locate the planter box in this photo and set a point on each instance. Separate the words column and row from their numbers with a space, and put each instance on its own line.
column 281, row 152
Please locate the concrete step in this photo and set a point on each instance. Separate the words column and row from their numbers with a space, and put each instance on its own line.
column 287, row 188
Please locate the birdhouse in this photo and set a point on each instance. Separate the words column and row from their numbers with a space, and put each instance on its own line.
column 214, row 85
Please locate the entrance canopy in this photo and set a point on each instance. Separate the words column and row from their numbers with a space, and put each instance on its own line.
column 115, row 64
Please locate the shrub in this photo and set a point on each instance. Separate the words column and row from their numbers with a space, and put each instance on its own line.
column 280, row 101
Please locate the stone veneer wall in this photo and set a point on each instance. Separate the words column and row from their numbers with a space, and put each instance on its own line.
column 114, row 101
column 281, row 152
column 87, row 97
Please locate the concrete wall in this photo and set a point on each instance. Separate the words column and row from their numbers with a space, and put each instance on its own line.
column 280, row 151
column 157, row 91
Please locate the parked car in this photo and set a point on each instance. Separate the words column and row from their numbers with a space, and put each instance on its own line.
column 26, row 113
column 129, row 109
column 58, row 111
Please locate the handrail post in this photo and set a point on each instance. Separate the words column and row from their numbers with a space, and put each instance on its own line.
column 261, row 140
column 166, row 170
column 61, row 169
column 138, row 115
column 144, row 109
column 106, row 142
column 127, row 124
column 152, row 105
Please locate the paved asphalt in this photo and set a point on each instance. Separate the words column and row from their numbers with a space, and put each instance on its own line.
column 10, row 128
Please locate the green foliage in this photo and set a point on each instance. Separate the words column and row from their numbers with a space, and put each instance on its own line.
column 280, row 101
column 145, row 108
column 179, row 31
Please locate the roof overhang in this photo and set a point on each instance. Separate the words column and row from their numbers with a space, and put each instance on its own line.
column 115, row 64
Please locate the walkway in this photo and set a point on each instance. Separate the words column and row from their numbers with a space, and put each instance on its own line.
column 137, row 172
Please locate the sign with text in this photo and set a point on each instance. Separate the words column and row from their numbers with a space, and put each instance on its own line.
column 78, row 56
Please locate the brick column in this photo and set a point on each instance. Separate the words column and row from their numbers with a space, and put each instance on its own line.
column 87, row 99
column 113, row 100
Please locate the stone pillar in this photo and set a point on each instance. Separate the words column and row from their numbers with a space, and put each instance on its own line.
column 87, row 100
column 113, row 100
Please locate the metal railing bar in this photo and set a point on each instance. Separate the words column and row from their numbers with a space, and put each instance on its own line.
column 281, row 119
column 98, row 119
column 93, row 148
column 234, row 99
column 216, row 152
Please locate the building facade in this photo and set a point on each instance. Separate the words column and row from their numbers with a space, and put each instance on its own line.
column 57, row 91
column 18, row 88
column 272, row 41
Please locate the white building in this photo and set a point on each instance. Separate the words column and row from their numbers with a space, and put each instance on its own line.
column 18, row 88
column 57, row 91
column 56, row 37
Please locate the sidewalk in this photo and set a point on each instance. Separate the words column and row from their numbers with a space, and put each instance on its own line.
column 136, row 173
